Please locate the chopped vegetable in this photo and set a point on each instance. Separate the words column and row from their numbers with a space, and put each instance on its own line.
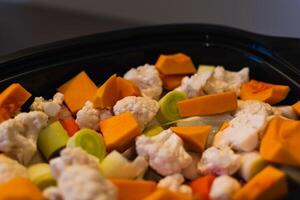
column 251, row 164
column 164, row 194
column 201, row 186
column 127, row 88
column 90, row 141
column 40, row 175
column 170, row 82
column 296, row 108
column 70, row 126
column 153, row 130
column 204, row 68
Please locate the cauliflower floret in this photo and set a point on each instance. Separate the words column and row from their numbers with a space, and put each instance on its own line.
column 50, row 107
column 52, row 193
column 175, row 183
column 143, row 109
column 223, row 188
column 223, row 80
column 191, row 172
column 18, row 136
column 165, row 152
column 193, row 86
column 147, row 78
column 255, row 107
column 10, row 169
column 88, row 117
column 219, row 161
column 72, row 156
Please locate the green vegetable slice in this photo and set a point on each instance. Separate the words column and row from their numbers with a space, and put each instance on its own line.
column 153, row 130
column 40, row 175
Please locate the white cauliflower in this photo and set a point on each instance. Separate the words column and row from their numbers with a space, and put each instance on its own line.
column 193, row 86
column 147, row 78
column 287, row 111
column 88, row 117
column 143, row 109
column 10, row 169
column 223, row 80
column 50, row 107
column 175, row 183
column 219, row 161
column 52, row 193
column 191, row 172
column 255, row 107
column 164, row 151
column 72, row 156
column 223, row 188
column 18, row 136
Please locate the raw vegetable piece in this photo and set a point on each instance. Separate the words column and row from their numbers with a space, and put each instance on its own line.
column 20, row 188
column 77, row 91
column 120, row 131
column 70, row 126
column 11, row 100
column 127, row 88
column 280, row 141
column 201, row 186
column 40, row 175
column 164, row 194
column 296, row 107
column 252, row 163
column 171, row 82
column 208, row 105
column 204, row 68
column 175, row 64
column 195, row 137
column 52, row 139
column 133, row 189
column 266, row 92
column 90, row 141
column 107, row 94
column 168, row 109
column 153, row 130
column 270, row 183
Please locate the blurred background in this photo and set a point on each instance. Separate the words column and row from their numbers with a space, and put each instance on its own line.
column 26, row 23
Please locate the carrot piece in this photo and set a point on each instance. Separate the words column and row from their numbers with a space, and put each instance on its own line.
column 133, row 189
column 77, row 91
column 164, row 194
column 208, row 105
column 281, row 142
column 201, row 186
column 70, row 126
column 11, row 100
column 127, row 88
column 296, row 107
column 171, row 82
column 20, row 188
column 175, row 64
column 269, row 93
column 107, row 94
column 120, row 131
column 195, row 137
column 270, row 183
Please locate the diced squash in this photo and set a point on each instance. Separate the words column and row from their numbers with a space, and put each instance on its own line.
column 133, row 189
column 70, row 126
column 268, row 184
column 11, row 100
column 164, row 194
column 266, row 92
column 208, row 105
column 20, row 188
column 107, row 94
column 120, row 131
column 127, row 88
column 170, row 82
column 201, row 186
column 175, row 64
column 296, row 107
column 77, row 91
column 195, row 137
column 280, row 142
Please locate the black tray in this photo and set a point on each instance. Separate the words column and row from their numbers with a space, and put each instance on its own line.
column 42, row 69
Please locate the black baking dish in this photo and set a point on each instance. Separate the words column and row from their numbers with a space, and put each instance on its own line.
column 42, row 69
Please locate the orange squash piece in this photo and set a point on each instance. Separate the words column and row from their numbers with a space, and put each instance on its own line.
column 11, row 100
column 164, row 194
column 77, row 91
column 266, row 92
column 127, row 88
column 195, row 137
column 133, row 189
column 268, row 184
column 224, row 125
column 20, row 188
column 296, row 107
column 201, row 186
column 208, row 105
column 170, row 82
column 175, row 64
column 281, row 142
column 120, row 131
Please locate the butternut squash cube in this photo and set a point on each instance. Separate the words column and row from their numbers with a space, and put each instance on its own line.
column 164, row 194
column 127, row 88
column 170, row 82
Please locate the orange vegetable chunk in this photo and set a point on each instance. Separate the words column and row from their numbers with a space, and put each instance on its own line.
column 296, row 107
column 281, row 142
column 120, row 131
column 195, row 137
column 208, row 104
column 20, row 189
column 11, row 100
column 133, row 189
column 77, row 91
column 268, row 184
column 201, row 186
column 70, row 126
column 266, row 92
column 171, row 82
column 164, row 194
column 175, row 64
column 107, row 94
column 127, row 88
